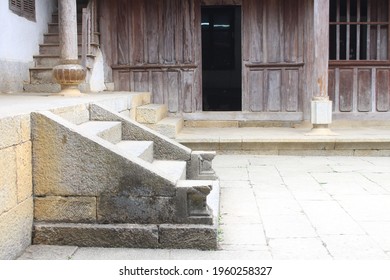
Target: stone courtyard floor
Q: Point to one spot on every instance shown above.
(283, 207)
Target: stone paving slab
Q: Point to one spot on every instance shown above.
(285, 208)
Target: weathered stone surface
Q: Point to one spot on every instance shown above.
(8, 189)
(188, 237)
(164, 148)
(76, 114)
(151, 113)
(46, 252)
(86, 235)
(143, 210)
(15, 230)
(14, 130)
(68, 162)
(169, 127)
(109, 131)
(200, 166)
(24, 171)
(118, 104)
(65, 209)
(141, 149)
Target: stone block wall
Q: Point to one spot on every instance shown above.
(16, 201)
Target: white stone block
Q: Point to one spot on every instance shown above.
(321, 112)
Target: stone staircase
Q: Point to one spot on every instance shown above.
(155, 116)
(103, 180)
(41, 77)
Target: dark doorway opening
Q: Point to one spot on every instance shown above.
(221, 58)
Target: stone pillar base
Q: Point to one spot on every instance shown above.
(321, 116)
(69, 76)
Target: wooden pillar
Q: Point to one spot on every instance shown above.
(321, 106)
(69, 74)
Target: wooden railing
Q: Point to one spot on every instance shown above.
(89, 28)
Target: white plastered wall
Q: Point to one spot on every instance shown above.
(19, 41)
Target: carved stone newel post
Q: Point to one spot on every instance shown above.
(69, 74)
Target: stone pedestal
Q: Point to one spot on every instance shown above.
(69, 76)
(321, 116)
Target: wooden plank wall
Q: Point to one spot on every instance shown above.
(364, 86)
(273, 55)
(155, 46)
(360, 89)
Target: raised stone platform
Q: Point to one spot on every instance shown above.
(349, 140)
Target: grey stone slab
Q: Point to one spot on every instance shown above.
(220, 255)
(65, 209)
(353, 247)
(122, 208)
(278, 206)
(366, 207)
(188, 237)
(298, 249)
(86, 235)
(328, 217)
(291, 226)
(379, 231)
(243, 234)
(120, 254)
(235, 184)
(15, 230)
(48, 252)
(232, 173)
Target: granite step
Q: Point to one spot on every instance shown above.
(141, 149)
(170, 126)
(175, 169)
(109, 131)
(151, 113)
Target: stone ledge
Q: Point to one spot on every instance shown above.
(166, 236)
(86, 235)
(188, 237)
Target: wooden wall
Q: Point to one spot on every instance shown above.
(273, 55)
(155, 46)
(360, 89)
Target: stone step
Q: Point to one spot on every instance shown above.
(151, 113)
(48, 60)
(168, 236)
(141, 149)
(49, 38)
(169, 126)
(54, 48)
(54, 28)
(109, 131)
(175, 169)
(41, 75)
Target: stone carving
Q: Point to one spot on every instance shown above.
(200, 166)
